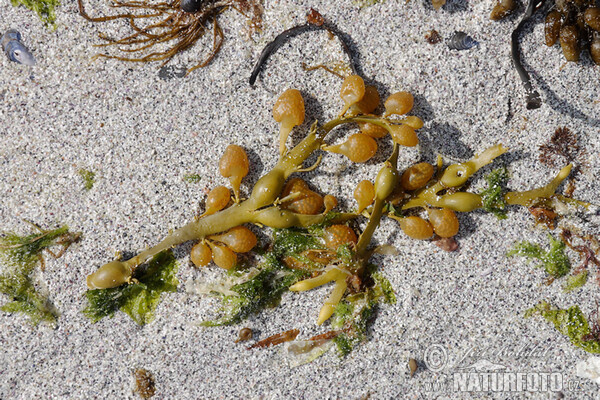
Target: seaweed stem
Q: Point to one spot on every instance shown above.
(295, 31)
(260, 208)
(376, 213)
(533, 97)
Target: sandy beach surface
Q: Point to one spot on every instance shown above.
(141, 133)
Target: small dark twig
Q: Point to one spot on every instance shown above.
(295, 31)
(533, 97)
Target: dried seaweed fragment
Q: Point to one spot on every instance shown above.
(276, 339)
(176, 25)
(144, 383)
(433, 37)
(562, 148)
(314, 17)
(544, 216)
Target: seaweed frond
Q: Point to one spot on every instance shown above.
(576, 281)
(19, 256)
(272, 278)
(555, 261)
(89, 178)
(571, 323)
(140, 299)
(353, 316)
(43, 8)
(264, 290)
(383, 288)
(293, 241)
(492, 198)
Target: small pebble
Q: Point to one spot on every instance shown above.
(412, 365)
(244, 335)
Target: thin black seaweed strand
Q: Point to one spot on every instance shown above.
(533, 97)
(295, 31)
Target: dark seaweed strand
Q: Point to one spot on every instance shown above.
(533, 97)
(295, 31)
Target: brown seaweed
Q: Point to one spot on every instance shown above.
(168, 23)
(575, 24)
(276, 339)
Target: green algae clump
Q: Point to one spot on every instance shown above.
(43, 8)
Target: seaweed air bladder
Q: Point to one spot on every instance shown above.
(312, 246)
(162, 30)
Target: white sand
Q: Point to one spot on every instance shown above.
(141, 134)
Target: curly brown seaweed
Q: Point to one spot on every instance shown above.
(178, 24)
(315, 22)
(561, 148)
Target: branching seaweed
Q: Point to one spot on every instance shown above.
(176, 25)
(19, 256)
(313, 245)
(554, 261)
(562, 147)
